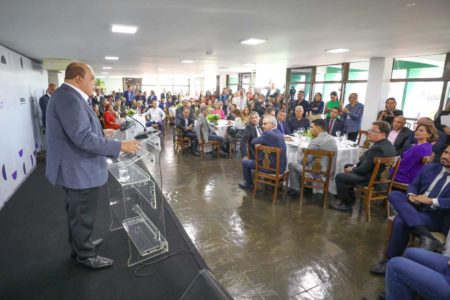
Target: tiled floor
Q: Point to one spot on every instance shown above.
(262, 251)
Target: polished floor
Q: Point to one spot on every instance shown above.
(262, 251)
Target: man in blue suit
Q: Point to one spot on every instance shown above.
(43, 101)
(425, 207)
(271, 137)
(76, 158)
(282, 124)
(129, 96)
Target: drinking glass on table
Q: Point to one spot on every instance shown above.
(301, 130)
(338, 133)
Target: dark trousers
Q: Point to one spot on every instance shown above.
(193, 137)
(247, 166)
(345, 184)
(408, 217)
(418, 272)
(160, 125)
(81, 208)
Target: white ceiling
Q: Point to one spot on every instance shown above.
(297, 32)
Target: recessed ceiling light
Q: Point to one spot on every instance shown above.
(124, 29)
(105, 73)
(107, 68)
(252, 41)
(111, 58)
(410, 4)
(187, 61)
(337, 50)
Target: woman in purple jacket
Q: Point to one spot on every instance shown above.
(411, 162)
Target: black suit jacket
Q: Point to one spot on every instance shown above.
(43, 102)
(180, 122)
(249, 134)
(403, 140)
(337, 126)
(365, 165)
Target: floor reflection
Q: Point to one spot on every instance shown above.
(262, 251)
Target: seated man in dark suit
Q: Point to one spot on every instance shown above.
(425, 207)
(251, 131)
(400, 136)
(282, 125)
(362, 171)
(297, 121)
(185, 103)
(186, 123)
(333, 123)
(271, 137)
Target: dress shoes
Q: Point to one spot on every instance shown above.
(379, 268)
(431, 244)
(96, 262)
(245, 186)
(340, 206)
(97, 243)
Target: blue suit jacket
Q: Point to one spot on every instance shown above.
(273, 138)
(424, 180)
(283, 127)
(76, 147)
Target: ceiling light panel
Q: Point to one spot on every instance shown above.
(124, 29)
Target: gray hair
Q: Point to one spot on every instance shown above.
(299, 107)
(253, 113)
(271, 120)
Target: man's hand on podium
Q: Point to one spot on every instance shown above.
(108, 132)
(130, 146)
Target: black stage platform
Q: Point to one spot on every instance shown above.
(35, 258)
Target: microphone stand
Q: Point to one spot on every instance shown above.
(125, 125)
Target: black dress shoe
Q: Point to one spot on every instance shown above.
(379, 268)
(96, 262)
(431, 244)
(245, 186)
(340, 206)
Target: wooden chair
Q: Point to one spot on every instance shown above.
(380, 185)
(312, 175)
(366, 143)
(404, 186)
(214, 144)
(265, 174)
(181, 142)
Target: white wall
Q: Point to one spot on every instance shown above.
(22, 83)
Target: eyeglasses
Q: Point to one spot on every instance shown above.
(371, 131)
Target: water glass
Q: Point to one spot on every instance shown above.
(124, 176)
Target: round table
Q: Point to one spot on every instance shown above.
(346, 154)
(222, 126)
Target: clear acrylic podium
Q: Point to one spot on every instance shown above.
(136, 204)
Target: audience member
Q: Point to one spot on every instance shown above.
(204, 133)
(334, 102)
(425, 207)
(185, 103)
(390, 111)
(235, 131)
(282, 124)
(321, 141)
(129, 96)
(400, 136)
(299, 102)
(316, 107)
(251, 131)
(334, 123)
(418, 272)
(43, 102)
(297, 121)
(411, 162)
(352, 114)
(155, 115)
(186, 123)
(362, 171)
(271, 137)
(218, 111)
(246, 115)
(110, 118)
(152, 97)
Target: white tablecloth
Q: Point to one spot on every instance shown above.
(222, 126)
(345, 155)
(137, 128)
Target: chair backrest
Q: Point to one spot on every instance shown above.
(385, 171)
(321, 164)
(180, 133)
(366, 143)
(264, 164)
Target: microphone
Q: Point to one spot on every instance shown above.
(144, 134)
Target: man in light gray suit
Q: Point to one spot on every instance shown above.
(322, 141)
(203, 131)
(76, 158)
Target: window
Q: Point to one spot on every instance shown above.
(326, 88)
(306, 87)
(300, 75)
(417, 98)
(431, 66)
(329, 73)
(358, 88)
(358, 71)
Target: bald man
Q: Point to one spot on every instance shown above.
(77, 148)
(43, 101)
(400, 136)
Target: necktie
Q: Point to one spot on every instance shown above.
(330, 127)
(186, 123)
(258, 131)
(281, 127)
(438, 186)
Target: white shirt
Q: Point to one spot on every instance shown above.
(430, 188)
(156, 114)
(238, 124)
(82, 94)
